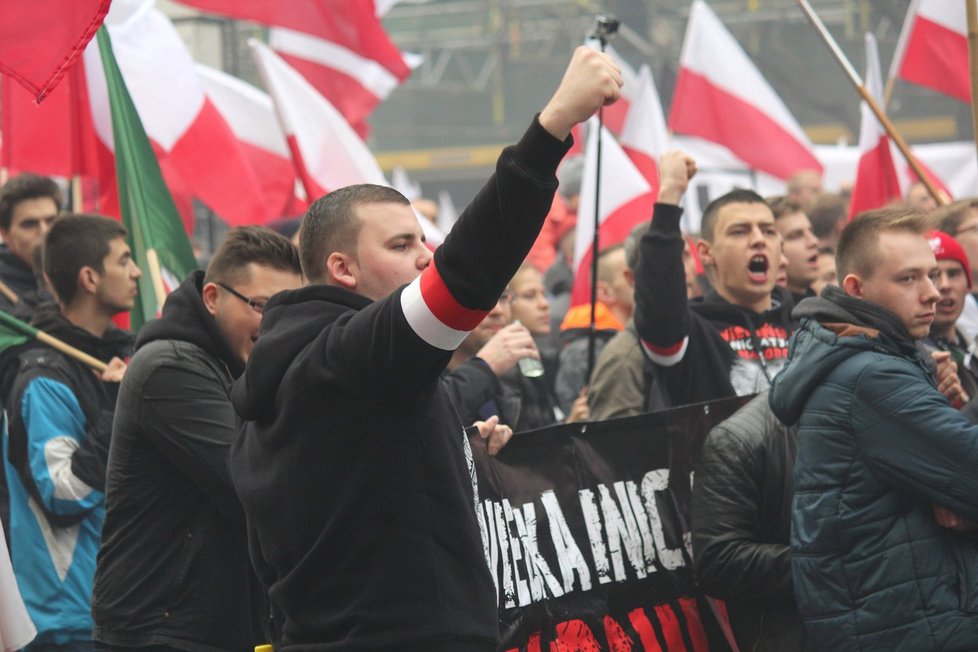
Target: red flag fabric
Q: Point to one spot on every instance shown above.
(933, 48)
(721, 97)
(339, 46)
(197, 150)
(644, 136)
(41, 39)
(877, 182)
(626, 199)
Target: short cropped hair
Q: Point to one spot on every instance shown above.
(77, 241)
(858, 251)
(949, 218)
(735, 196)
(23, 187)
(606, 272)
(251, 244)
(828, 210)
(331, 224)
(782, 207)
(631, 244)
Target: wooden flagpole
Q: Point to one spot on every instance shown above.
(867, 97)
(972, 13)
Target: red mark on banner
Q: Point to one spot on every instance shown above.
(670, 628)
(694, 625)
(642, 626)
(618, 640)
(575, 636)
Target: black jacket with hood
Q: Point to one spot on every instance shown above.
(173, 569)
(707, 348)
(353, 468)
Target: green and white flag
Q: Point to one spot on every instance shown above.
(159, 243)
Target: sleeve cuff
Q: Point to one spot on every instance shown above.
(539, 152)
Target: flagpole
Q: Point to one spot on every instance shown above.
(25, 329)
(972, 12)
(867, 97)
(606, 27)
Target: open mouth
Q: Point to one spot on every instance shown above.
(946, 305)
(813, 260)
(757, 268)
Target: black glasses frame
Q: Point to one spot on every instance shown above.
(257, 306)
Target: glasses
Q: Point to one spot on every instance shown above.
(257, 306)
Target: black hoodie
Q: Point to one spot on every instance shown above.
(708, 348)
(353, 467)
(173, 569)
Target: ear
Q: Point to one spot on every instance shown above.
(604, 296)
(209, 295)
(342, 270)
(705, 252)
(853, 285)
(629, 277)
(88, 279)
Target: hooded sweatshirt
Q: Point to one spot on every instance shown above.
(353, 468)
(707, 348)
(878, 447)
(56, 447)
(173, 568)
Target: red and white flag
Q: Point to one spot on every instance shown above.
(196, 149)
(722, 97)
(644, 136)
(326, 151)
(251, 117)
(41, 39)
(626, 199)
(933, 48)
(340, 46)
(877, 182)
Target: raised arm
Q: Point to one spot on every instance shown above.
(661, 311)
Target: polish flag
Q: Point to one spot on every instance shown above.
(327, 153)
(721, 97)
(340, 46)
(40, 40)
(877, 182)
(196, 149)
(933, 48)
(614, 116)
(251, 117)
(644, 136)
(626, 200)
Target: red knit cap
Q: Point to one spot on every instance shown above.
(947, 248)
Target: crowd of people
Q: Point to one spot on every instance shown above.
(279, 457)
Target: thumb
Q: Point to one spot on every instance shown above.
(488, 426)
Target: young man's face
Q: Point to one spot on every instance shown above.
(116, 290)
(390, 249)
(953, 286)
(237, 320)
(800, 247)
(498, 317)
(744, 255)
(902, 280)
(827, 273)
(29, 224)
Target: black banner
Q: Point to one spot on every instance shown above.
(586, 532)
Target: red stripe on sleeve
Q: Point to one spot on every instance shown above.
(443, 305)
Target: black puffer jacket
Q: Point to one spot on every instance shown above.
(173, 569)
(741, 511)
